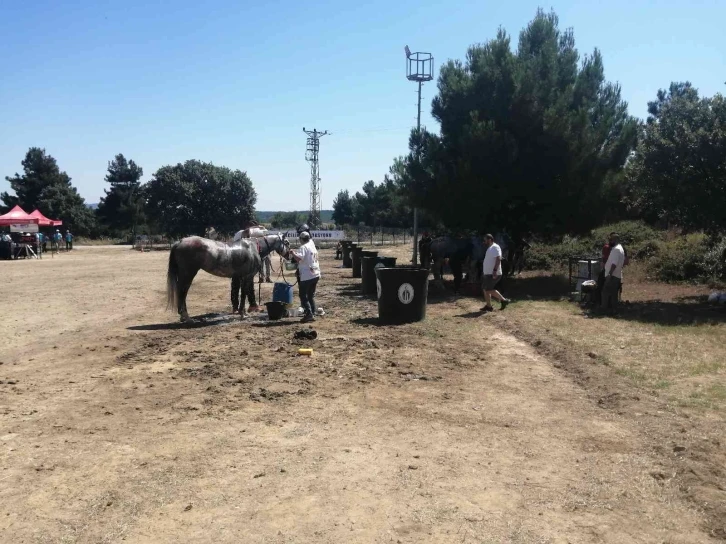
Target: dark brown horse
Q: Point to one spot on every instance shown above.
(192, 254)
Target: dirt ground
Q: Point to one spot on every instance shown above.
(119, 424)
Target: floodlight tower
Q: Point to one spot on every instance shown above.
(419, 68)
(311, 155)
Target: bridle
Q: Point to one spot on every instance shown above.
(269, 248)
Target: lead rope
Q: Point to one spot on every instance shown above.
(282, 272)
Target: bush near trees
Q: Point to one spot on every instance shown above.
(668, 256)
(678, 172)
(190, 197)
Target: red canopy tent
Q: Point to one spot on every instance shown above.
(17, 216)
(44, 221)
(20, 220)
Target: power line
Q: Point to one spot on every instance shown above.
(368, 131)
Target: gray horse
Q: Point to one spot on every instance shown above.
(194, 253)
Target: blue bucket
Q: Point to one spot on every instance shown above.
(282, 292)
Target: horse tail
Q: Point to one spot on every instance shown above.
(172, 276)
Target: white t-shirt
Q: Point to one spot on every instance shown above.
(490, 259)
(617, 258)
(308, 266)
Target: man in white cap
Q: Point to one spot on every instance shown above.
(309, 269)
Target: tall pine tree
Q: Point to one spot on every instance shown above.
(529, 138)
(121, 210)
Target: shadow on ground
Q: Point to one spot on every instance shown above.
(683, 312)
(200, 321)
(278, 323)
(472, 315)
(550, 287)
(375, 322)
(354, 291)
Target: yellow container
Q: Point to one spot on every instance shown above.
(305, 351)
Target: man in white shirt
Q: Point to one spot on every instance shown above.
(309, 269)
(613, 274)
(492, 274)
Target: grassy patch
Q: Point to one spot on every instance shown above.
(654, 356)
(635, 375)
(706, 367)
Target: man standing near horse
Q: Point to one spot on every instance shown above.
(492, 270)
(309, 274)
(251, 227)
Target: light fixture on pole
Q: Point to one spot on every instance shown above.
(419, 68)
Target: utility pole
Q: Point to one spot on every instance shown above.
(419, 68)
(311, 155)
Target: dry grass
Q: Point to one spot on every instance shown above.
(666, 339)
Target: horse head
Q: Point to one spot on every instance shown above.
(278, 243)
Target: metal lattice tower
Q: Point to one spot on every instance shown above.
(311, 155)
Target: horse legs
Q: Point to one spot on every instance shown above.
(456, 269)
(235, 294)
(183, 285)
(438, 269)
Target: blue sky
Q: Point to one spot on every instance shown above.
(234, 82)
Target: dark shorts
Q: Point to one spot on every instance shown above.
(489, 283)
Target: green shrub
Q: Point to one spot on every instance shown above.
(543, 256)
(640, 240)
(670, 256)
(681, 259)
(714, 262)
(539, 258)
(632, 233)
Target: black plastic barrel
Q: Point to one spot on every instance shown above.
(402, 294)
(368, 271)
(357, 256)
(347, 260)
(358, 273)
(368, 275)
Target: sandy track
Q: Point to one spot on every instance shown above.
(123, 425)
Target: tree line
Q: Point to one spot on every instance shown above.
(186, 198)
(534, 139)
(382, 205)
